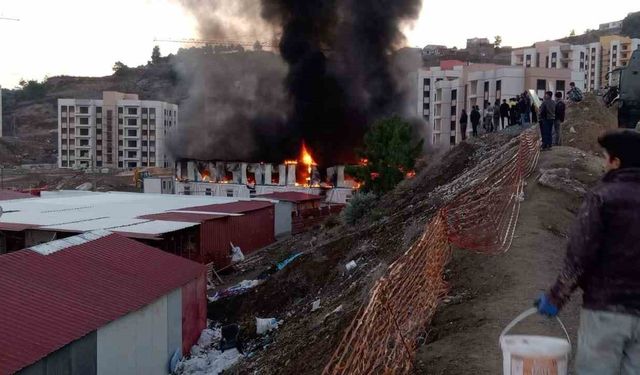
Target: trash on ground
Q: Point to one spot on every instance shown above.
(351, 265)
(265, 325)
(315, 306)
(236, 254)
(235, 290)
(285, 262)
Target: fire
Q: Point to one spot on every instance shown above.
(307, 159)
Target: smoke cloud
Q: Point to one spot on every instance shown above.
(341, 77)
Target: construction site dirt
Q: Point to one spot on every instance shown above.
(486, 291)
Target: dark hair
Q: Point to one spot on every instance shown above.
(504, 100)
(624, 145)
(558, 95)
(572, 84)
(549, 93)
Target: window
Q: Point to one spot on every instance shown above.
(145, 111)
(152, 133)
(486, 87)
(229, 193)
(63, 119)
(144, 143)
(84, 153)
(453, 110)
(99, 142)
(84, 132)
(152, 143)
(560, 86)
(145, 121)
(84, 142)
(98, 109)
(72, 120)
(453, 126)
(132, 164)
(84, 121)
(120, 110)
(119, 143)
(98, 163)
(132, 143)
(119, 131)
(99, 121)
(132, 133)
(132, 122)
(541, 84)
(452, 140)
(454, 95)
(546, 65)
(207, 191)
(83, 110)
(132, 111)
(63, 109)
(98, 131)
(119, 164)
(120, 121)
(152, 122)
(98, 152)
(152, 111)
(132, 154)
(65, 164)
(72, 109)
(120, 153)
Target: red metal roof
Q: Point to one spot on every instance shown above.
(292, 196)
(232, 208)
(6, 195)
(48, 301)
(186, 217)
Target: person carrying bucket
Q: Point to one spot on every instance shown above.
(603, 259)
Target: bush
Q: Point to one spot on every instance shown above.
(360, 205)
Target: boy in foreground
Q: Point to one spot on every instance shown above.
(603, 258)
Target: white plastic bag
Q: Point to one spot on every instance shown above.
(236, 254)
(265, 325)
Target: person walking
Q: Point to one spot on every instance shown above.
(557, 124)
(514, 111)
(488, 117)
(547, 118)
(574, 94)
(504, 113)
(522, 109)
(496, 115)
(463, 124)
(475, 119)
(603, 259)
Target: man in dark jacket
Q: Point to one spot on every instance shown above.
(504, 113)
(557, 125)
(475, 119)
(603, 259)
(547, 118)
(463, 124)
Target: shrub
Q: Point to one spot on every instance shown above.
(360, 205)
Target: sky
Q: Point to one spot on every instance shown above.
(86, 37)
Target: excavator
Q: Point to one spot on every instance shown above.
(624, 91)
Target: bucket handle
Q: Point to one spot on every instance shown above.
(527, 314)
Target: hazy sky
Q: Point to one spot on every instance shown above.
(85, 37)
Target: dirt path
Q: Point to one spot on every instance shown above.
(488, 291)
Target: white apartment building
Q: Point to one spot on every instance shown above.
(119, 131)
(443, 94)
(589, 64)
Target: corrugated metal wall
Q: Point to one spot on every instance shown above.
(283, 212)
(254, 230)
(251, 231)
(194, 311)
(76, 358)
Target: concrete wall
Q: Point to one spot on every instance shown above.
(76, 358)
(141, 342)
(283, 218)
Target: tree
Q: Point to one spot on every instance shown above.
(573, 32)
(156, 57)
(631, 25)
(120, 68)
(32, 89)
(497, 42)
(390, 151)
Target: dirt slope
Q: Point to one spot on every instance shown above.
(488, 291)
(588, 119)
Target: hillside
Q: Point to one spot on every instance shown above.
(30, 116)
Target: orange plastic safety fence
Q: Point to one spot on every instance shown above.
(382, 337)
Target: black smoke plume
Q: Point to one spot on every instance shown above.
(341, 73)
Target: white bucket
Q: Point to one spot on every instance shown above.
(534, 355)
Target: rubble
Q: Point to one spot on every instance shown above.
(560, 179)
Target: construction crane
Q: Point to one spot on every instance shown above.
(223, 42)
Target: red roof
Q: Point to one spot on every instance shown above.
(449, 64)
(186, 217)
(51, 300)
(292, 196)
(232, 208)
(6, 195)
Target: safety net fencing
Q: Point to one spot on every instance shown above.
(481, 216)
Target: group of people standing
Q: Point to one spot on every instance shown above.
(521, 111)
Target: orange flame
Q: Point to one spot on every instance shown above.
(306, 157)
